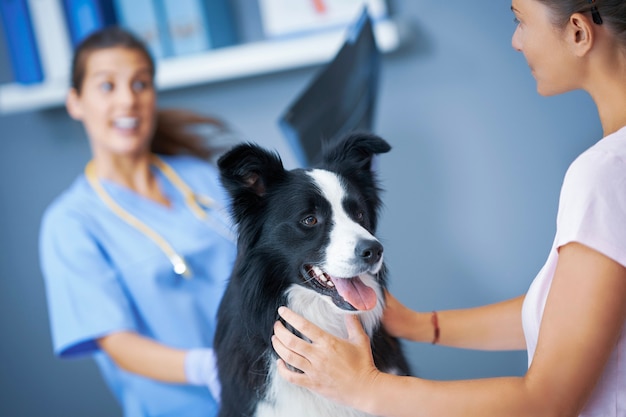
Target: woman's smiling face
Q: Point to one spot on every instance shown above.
(117, 102)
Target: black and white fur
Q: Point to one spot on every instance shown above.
(299, 230)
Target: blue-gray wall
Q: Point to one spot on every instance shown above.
(471, 185)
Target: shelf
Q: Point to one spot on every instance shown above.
(218, 65)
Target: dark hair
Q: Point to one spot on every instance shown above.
(611, 12)
(173, 133)
(108, 37)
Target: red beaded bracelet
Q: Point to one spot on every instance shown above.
(435, 320)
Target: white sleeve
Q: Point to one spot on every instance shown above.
(592, 206)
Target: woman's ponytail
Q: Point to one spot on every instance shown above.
(177, 132)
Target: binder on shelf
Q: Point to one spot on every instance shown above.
(248, 17)
(282, 18)
(86, 16)
(340, 99)
(6, 73)
(52, 36)
(144, 18)
(21, 42)
(186, 25)
(221, 23)
(193, 26)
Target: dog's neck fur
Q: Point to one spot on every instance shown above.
(322, 312)
(284, 399)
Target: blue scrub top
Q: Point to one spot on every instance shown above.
(103, 276)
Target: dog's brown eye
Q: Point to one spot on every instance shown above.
(309, 221)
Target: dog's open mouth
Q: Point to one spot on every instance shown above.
(346, 293)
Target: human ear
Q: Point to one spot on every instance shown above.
(580, 35)
(72, 104)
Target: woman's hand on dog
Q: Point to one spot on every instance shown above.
(340, 369)
(396, 316)
(400, 321)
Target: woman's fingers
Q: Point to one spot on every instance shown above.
(356, 333)
(305, 327)
(289, 375)
(290, 347)
(334, 367)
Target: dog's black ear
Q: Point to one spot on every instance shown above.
(249, 168)
(351, 157)
(247, 171)
(354, 151)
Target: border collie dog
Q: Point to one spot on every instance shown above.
(305, 240)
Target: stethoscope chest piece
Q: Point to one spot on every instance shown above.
(178, 262)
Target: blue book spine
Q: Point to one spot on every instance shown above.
(86, 16)
(220, 18)
(21, 43)
(186, 25)
(142, 17)
(52, 36)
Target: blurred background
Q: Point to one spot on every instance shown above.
(471, 188)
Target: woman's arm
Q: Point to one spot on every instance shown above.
(492, 327)
(583, 318)
(146, 357)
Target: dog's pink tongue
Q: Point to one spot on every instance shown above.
(359, 295)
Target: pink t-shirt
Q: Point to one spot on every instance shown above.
(592, 211)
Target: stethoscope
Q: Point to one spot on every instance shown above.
(192, 201)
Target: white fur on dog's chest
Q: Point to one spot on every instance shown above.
(287, 400)
(283, 399)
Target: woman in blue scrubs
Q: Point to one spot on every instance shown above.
(137, 251)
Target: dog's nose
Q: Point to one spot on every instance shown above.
(369, 251)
